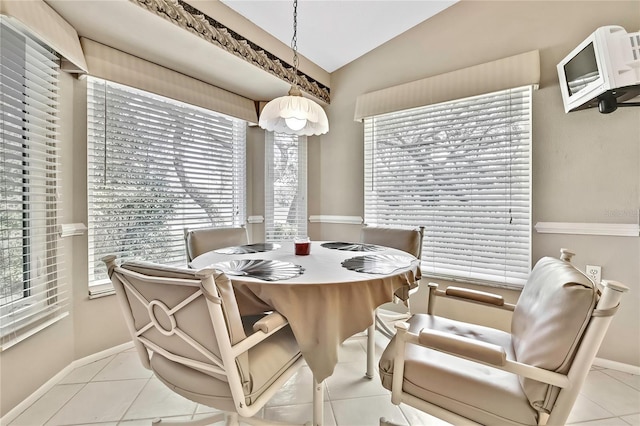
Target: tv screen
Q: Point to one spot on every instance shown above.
(581, 70)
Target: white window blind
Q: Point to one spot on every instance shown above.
(285, 186)
(155, 167)
(33, 293)
(462, 170)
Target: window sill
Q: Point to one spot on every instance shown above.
(482, 283)
(101, 290)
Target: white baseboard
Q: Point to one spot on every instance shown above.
(619, 366)
(31, 399)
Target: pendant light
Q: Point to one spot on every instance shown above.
(294, 114)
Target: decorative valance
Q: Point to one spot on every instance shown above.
(514, 71)
(191, 19)
(45, 23)
(120, 67)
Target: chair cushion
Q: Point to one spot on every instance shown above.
(549, 320)
(196, 312)
(268, 360)
(223, 283)
(193, 384)
(200, 241)
(481, 393)
(408, 240)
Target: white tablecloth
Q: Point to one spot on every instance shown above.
(325, 305)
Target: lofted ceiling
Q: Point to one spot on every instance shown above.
(331, 33)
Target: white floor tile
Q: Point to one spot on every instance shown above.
(366, 411)
(125, 365)
(633, 419)
(87, 372)
(615, 421)
(299, 414)
(157, 400)
(419, 418)
(632, 380)
(352, 350)
(617, 397)
(298, 390)
(147, 422)
(47, 406)
(202, 409)
(348, 381)
(585, 409)
(99, 424)
(381, 344)
(609, 398)
(99, 402)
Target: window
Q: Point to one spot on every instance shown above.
(32, 292)
(285, 187)
(461, 169)
(155, 167)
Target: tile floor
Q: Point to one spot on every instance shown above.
(117, 390)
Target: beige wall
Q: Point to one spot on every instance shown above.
(585, 165)
(93, 325)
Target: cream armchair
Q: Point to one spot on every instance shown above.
(187, 329)
(469, 374)
(202, 240)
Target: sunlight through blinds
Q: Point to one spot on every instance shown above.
(285, 186)
(461, 169)
(155, 167)
(33, 288)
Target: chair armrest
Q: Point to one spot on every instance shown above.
(473, 296)
(462, 346)
(270, 322)
(473, 350)
(263, 328)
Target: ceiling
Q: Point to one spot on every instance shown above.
(331, 33)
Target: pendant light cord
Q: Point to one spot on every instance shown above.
(294, 42)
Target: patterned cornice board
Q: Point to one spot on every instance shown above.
(191, 19)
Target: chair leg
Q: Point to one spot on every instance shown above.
(371, 350)
(318, 403)
(383, 328)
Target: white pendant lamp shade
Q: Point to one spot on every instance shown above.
(294, 115)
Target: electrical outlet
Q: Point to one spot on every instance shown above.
(594, 272)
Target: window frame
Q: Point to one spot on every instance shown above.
(433, 187)
(299, 145)
(211, 144)
(30, 147)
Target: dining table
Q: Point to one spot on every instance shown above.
(326, 296)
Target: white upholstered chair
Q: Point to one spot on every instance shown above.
(187, 329)
(408, 240)
(470, 374)
(202, 240)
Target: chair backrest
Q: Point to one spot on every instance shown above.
(202, 240)
(186, 316)
(409, 240)
(549, 323)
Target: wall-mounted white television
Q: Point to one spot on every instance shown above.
(603, 71)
